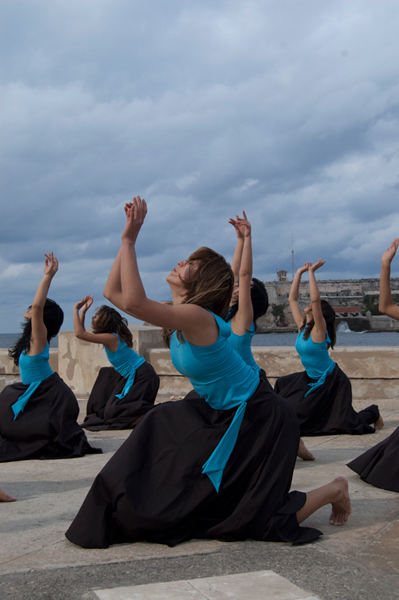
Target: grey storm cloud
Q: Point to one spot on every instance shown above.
(288, 110)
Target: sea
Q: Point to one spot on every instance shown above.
(7, 340)
(344, 338)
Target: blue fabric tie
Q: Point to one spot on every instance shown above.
(22, 401)
(128, 385)
(321, 380)
(217, 461)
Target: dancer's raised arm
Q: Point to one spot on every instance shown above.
(39, 331)
(242, 269)
(294, 295)
(196, 323)
(320, 328)
(79, 313)
(386, 304)
(236, 262)
(113, 287)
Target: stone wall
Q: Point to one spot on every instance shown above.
(373, 371)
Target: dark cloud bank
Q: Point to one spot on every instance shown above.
(287, 110)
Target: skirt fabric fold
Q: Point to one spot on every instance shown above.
(379, 466)
(106, 411)
(328, 409)
(47, 428)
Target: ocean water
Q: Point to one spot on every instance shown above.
(346, 338)
(7, 340)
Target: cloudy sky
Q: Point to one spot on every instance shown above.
(287, 109)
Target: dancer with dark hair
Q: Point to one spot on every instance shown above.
(379, 466)
(249, 302)
(124, 393)
(38, 416)
(322, 394)
(217, 466)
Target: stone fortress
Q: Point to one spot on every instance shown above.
(355, 302)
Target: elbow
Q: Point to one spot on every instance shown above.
(131, 308)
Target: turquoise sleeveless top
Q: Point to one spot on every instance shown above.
(242, 345)
(126, 361)
(315, 358)
(33, 370)
(218, 374)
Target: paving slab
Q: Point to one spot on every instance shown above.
(261, 585)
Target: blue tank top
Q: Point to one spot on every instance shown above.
(33, 370)
(126, 361)
(218, 374)
(242, 345)
(315, 358)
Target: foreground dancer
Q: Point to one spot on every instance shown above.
(124, 393)
(249, 302)
(38, 416)
(380, 465)
(322, 394)
(214, 468)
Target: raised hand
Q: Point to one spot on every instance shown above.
(390, 252)
(135, 215)
(84, 304)
(50, 264)
(235, 225)
(319, 263)
(243, 225)
(305, 268)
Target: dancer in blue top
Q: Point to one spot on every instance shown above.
(248, 303)
(124, 393)
(322, 394)
(219, 466)
(379, 465)
(38, 416)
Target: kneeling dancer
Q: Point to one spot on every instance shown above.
(322, 394)
(217, 466)
(124, 393)
(38, 417)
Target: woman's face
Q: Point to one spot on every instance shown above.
(28, 314)
(94, 321)
(308, 312)
(234, 296)
(184, 270)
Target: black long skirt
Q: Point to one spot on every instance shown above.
(47, 428)
(380, 465)
(153, 488)
(106, 411)
(328, 409)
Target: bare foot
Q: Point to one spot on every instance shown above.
(379, 424)
(303, 452)
(341, 506)
(5, 497)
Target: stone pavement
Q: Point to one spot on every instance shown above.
(357, 560)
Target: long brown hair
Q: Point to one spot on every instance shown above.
(110, 321)
(329, 317)
(210, 286)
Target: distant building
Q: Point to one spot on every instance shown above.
(357, 296)
(282, 275)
